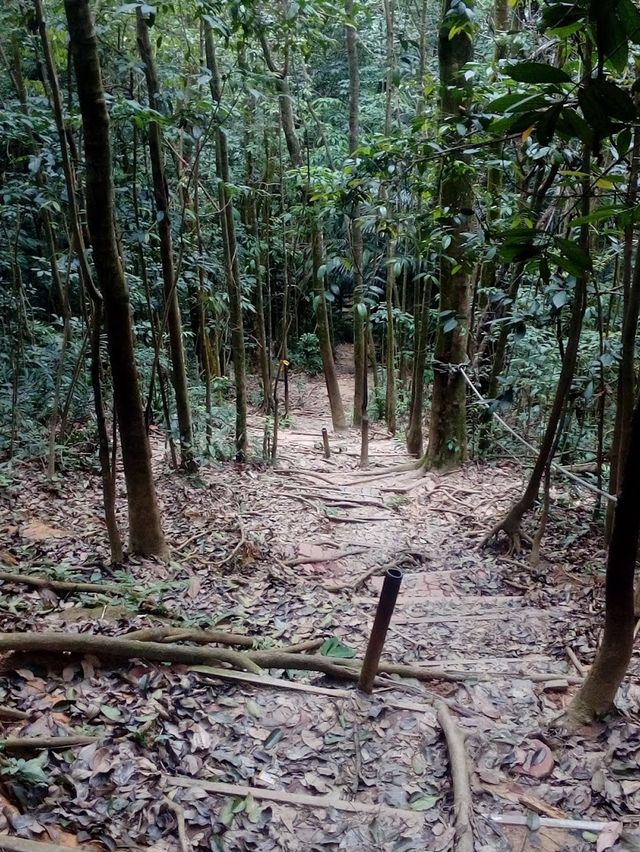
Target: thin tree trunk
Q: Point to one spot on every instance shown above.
(251, 215)
(232, 267)
(294, 148)
(160, 191)
(512, 522)
(597, 694)
(390, 396)
(626, 371)
(448, 428)
(360, 321)
(145, 531)
(421, 332)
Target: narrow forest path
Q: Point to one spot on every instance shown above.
(281, 554)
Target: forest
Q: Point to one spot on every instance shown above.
(319, 425)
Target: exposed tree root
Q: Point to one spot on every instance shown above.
(511, 527)
(106, 646)
(253, 661)
(186, 634)
(462, 802)
(64, 585)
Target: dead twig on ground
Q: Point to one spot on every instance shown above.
(187, 634)
(253, 661)
(45, 743)
(239, 545)
(462, 802)
(10, 714)
(582, 670)
(178, 810)
(333, 557)
(301, 799)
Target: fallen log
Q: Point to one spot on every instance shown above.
(187, 634)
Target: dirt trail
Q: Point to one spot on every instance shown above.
(499, 629)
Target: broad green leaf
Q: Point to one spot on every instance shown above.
(112, 713)
(335, 648)
(537, 72)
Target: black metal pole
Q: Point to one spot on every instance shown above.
(386, 605)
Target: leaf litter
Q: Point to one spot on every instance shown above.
(496, 622)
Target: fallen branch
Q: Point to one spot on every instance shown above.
(302, 799)
(550, 822)
(106, 646)
(45, 743)
(333, 557)
(240, 544)
(10, 714)
(178, 810)
(64, 585)
(462, 803)
(359, 581)
(21, 844)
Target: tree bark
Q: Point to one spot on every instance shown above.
(232, 266)
(161, 196)
(448, 428)
(359, 313)
(145, 531)
(597, 694)
(626, 371)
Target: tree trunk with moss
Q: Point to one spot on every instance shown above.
(145, 531)
(421, 332)
(597, 694)
(161, 197)
(448, 428)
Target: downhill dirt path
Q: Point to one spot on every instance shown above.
(279, 553)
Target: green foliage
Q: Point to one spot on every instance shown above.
(305, 354)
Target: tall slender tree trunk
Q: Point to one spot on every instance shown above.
(360, 320)
(414, 430)
(448, 428)
(390, 395)
(145, 531)
(107, 469)
(294, 149)
(597, 694)
(251, 217)
(161, 196)
(511, 523)
(232, 266)
(626, 371)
